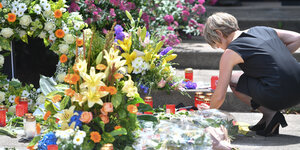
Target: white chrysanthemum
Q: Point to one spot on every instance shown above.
(136, 63)
(15, 4)
(47, 7)
(77, 26)
(25, 20)
(22, 33)
(22, 7)
(43, 2)
(52, 37)
(69, 38)
(47, 14)
(66, 29)
(77, 140)
(60, 77)
(7, 32)
(137, 70)
(49, 26)
(63, 48)
(41, 99)
(65, 136)
(145, 66)
(12, 109)
(1, 61)
(14, 10)
(6, 87)
(37, 9)
(69, 131)
(58, 133)
(81, 134)
(42, 35)
(25, 93)
(20, 13)
(2, 96)
(11, 98)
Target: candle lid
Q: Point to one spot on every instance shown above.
(23, 99)
(188, 70)
(107, 146)
(30, 118)
(148, 98)
(207, 99)
(209, 94)
(27, 115)
(199, 93)
(2, 107)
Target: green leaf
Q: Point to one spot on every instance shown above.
(147, 118)
(121, 131)
(5, 43)
(99, 58)
(107, 138)
(15, 84)
(62, 87)
(99, 123)
(143, 33)
(140, 13)
(50, 107)
(34, 140)
(117, 99)
(86, 128)
(64, 102)
(158, 46)
(122, 113)
(128, 15)
(51, 94)
(24, 38)
(145, 108)
(136, 100)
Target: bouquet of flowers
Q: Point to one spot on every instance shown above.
(95, 107)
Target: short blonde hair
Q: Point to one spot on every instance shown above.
(222, 21)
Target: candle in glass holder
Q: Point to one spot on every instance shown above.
(207, 101)
(30, 130)
(188, 74)
(20, 110)
(208, 95)
(214, 82)
(52, 147)
(196, 98)
(199, 101)
(107, 146)
(2, 116)
(26, 115)
(170, 108)
(24, 101)
(148, 100)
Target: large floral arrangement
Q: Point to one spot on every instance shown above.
(96, 106)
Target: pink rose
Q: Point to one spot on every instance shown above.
(103, 112)
(161, 83)
(108, 107)
(86, 117)
(104, 118)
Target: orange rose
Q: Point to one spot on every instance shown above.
(69, 92)
(63, 58)
(118, 76)
(108, 107)
(104, 118)
(38, 128)
(56, 98)
(117, 127)
(112, 90)
(46, 116)
(1, 6)
(17, 99)
(11, 17)
(79, 42)
(95, 136)
(132, 109)
(103, 112)
(59, 33)
(86, 117)
(57, 13)
(100, 67)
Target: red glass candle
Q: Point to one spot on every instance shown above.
(2, 116)
(148, 100)
(207, 101)
(188, 73)
(24, 101)
(170, 108)
(214, 82)
(197, 94)
(20, 110)
(52, 147)
(199, 101)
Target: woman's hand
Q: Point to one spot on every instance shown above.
(228, 60)
(290, 38)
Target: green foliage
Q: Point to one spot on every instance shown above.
(64, 102)
(34, 140)
(5, 43)
(117, 99)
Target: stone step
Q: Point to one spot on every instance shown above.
(199, 55)
(271, 14)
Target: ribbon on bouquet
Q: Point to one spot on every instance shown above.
(12, 61)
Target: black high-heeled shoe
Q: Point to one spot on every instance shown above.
(273, 126)
(257, 127)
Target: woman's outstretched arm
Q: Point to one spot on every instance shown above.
(290, 38)
(228, 60)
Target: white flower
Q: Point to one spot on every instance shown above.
(137, 70)
(12, 109)
(81, 134)
(145, 66)
(20, 13)
(14, 10)
(2, 96)
(25, 20)
(65, 136)
(49, 26)
(63, 48)
(7, 32)
(43, 2)
(136, 63)
(87, 34)
(47, 14)
(66, 29)
(37, 9)
(42, 35)
(22, 7)
(52, 37)
(6, 86)
(16, 80)
(60, 77)
(77, 140)
(69, 131)
(63, 10)
(22, 33)
(47, 7)
(30, 102)
(1, 61)
(58, 133)
(77, 26)
(41, 99)
(25, 93)
(69, 38)
(15, 4)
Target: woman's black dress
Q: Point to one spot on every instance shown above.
(271, 73)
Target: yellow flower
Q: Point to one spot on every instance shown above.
(93, 79)
(129, 58)
(126, 44)
(93, 96)
(129, 88)
(171, 57)
(65, 118)
(148, 56)
(81, 66)
(78, 98)
(112, 57)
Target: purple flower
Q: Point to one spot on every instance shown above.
(190, 85)
(120, 36)
(114, 2)
(185, 13)
(73, 7)
(130, 6)
(165, 51)
(169, 19)
(112, 12)
(118, 29)
(201, 1)
(147, 34)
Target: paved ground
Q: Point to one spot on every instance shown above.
(289, 138)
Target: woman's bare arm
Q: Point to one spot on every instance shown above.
(228, 60)
(290, 38)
